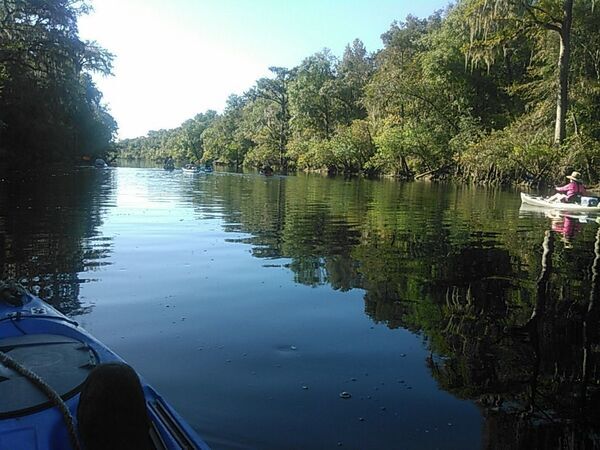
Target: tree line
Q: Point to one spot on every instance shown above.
(486, 90)
(50, 108)
(492, 91)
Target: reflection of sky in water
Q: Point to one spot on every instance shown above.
(136, 196)
(252, 302)
(213, 327)
(138, 190)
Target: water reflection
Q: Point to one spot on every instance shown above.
(504, 300)
(565, 224)
(504, 312)
(533, 367)
(507, 326)
(49, 231)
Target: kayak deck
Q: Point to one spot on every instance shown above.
(62, 354)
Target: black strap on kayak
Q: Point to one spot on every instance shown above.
(48, 391)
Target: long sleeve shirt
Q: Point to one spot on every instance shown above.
(571, 190)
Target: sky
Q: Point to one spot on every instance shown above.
(177, 58)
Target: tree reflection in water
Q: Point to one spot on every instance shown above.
(505, 329)
(510, 324)
(537, 380)
(48, 231)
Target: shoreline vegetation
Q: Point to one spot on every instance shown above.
(503, 91)
(50, 108)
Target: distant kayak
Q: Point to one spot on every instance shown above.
(190, 168)
(592, 204)
(39, 345)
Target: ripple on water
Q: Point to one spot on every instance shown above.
(309, 283)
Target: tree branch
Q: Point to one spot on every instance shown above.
(547, 25)
(543, 11)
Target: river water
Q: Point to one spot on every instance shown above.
(450, 317)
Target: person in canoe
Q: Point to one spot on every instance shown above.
(570, 192)
(169, 163)
(266, 171)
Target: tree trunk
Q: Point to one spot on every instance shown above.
(283, 135)
(562, 102)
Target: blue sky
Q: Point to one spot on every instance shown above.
(177, 58)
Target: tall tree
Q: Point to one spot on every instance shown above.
(224, 140)
(494, 23)
(354, 71)
(49, 106)
(414, 101)
(313, 107)
(276, 90)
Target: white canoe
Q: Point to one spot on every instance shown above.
(544, 203)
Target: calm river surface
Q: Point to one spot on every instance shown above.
(252, 303)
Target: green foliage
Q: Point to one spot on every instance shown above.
(185, 144)
(392, 150)
(514, 153)
(346, 152)
(315, 154)
(275, 117)
(469, 91)
(262, 155)
(50, 109)
(408, 147)
(354, 72)
(262, 125)
(314, 102)
(352, 147)
(225, 140)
